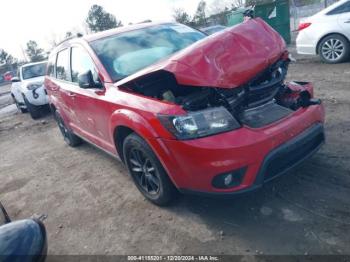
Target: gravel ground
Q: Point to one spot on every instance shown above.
(92, 206)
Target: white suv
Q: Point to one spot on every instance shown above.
(28, 90)
(327, 33)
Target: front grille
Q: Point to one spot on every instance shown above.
(263, 115)
(289, 157)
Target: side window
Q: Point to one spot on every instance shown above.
(344, 8)
(51, 66)
(81, 63)
(62, 68)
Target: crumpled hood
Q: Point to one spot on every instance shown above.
(227, 59)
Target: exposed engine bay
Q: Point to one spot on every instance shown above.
(263, 100)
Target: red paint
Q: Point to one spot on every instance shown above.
(224, 60)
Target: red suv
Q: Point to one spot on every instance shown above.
(184, 111)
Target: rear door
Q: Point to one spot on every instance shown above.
(344, 18)
(66, 90)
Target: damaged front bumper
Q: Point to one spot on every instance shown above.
(262, 153)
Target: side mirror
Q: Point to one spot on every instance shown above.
(4, 217)
(86, 80)
(15, 79)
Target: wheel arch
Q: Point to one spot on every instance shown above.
(323, 37)
(123, 123)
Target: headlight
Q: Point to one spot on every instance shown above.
(33, 86)
(200, 123)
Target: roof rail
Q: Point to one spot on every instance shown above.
(78, 35)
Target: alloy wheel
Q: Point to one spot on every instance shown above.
(144, 172)
(333, 49)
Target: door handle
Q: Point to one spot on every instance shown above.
(71, 94)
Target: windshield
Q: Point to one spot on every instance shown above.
(33, 71)
(214, 29)
(124, 54)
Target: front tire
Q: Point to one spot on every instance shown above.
(334, 49)
(69, 137)
(23, 110)
(34, 111)
(147, 172)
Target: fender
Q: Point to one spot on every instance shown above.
(149, 133)
(132, 120)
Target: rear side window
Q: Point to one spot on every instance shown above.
(51, 66)
(344, 8)
(62, 65)
(81, 63)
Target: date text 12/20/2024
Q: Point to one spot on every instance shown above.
(173, 258)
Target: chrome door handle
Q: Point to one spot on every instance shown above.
(71, 94)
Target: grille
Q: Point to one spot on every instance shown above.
(263, 115)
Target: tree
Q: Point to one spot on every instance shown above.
(99, 20)
(35, 53)
(199, 18)
(181, 16)
(6, 58)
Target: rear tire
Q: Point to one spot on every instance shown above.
(34, 111)
(69, 137)
(334, 49)
(147, 172)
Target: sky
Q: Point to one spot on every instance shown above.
(46, 20)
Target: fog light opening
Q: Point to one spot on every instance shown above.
(229, 179)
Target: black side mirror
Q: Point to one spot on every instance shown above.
(4, 217)
(86, 80)
(15, 79)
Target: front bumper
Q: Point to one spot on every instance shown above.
(37, 97)
(265, 153)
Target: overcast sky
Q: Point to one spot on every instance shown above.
(44, 20)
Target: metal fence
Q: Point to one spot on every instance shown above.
(299, 11)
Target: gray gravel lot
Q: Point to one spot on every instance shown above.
(92, 206)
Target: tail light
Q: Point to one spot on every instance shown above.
(303, 26)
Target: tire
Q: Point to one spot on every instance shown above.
(334, 49)
(69, 137)
(147, 172)
(23, 110)
(34, 111)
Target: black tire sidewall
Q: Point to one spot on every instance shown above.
(346, 53)
(71, 139)
(167, 190)
(33, 110)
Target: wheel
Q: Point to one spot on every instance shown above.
(23, 110)
(34, 111)
(147, 172)
(70, 138)
(334, 49)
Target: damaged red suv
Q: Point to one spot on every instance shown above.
(184, 111)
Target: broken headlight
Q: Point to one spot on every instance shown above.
(200, 123)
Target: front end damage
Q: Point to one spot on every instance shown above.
(242, 70)
(253, 125)
(263, 100)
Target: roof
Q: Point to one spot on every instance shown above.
(36, 63)
(122, 29)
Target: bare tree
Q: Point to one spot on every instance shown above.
(181, 16)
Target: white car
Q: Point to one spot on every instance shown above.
(327, 33)
(28, 90)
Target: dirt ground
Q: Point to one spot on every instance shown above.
(92, 206)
